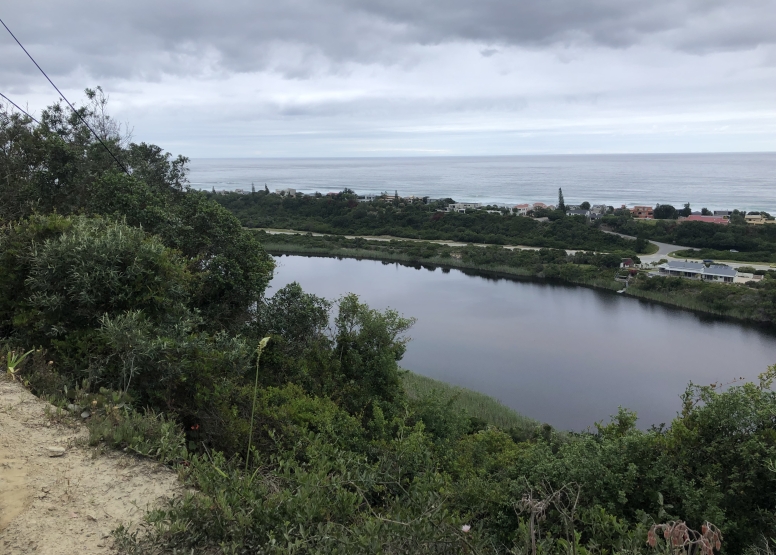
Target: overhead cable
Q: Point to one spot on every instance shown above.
(76, 112)
(15, 105)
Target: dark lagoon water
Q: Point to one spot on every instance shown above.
(715, 181)
(560, 354)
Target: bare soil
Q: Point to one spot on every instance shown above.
(67, 504)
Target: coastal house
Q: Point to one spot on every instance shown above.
(462, 207)
(698, 270)
(537, 205)
(643, 212)
(708, 219)
(758, 219)
(579, 212)
(599, 209)
(521, 209)
(369, 197)
(719, 272)
(723, 213)
(286, 192)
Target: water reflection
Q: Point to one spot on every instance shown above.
(558, 353)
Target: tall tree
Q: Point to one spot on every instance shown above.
(561, 204)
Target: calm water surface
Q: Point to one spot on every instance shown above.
(561, 354)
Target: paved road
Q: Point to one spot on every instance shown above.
(663, 249)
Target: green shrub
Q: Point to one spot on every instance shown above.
(147, 434)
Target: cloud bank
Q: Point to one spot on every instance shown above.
(344, 78)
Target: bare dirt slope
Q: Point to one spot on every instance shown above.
(67, 504)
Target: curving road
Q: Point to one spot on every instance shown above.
(665, 249)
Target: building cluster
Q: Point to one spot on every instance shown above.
(721, 217)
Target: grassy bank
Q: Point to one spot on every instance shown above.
(759, 257)
(474, 404)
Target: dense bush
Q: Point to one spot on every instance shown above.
(343, 214)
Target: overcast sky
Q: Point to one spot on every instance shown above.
(409, 77)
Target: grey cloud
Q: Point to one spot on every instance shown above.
(715, 24)
(488, 52)
(148, 39)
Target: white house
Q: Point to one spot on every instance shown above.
(521, 209)
(462, 206)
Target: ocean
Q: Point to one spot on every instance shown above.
(714, 181)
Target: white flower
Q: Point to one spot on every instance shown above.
(465, 528)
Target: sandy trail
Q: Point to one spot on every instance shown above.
(68, 504)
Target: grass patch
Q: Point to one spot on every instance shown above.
(475, 404)
(759, 257)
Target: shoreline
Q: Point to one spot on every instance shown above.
(517, 274)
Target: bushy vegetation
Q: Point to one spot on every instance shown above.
(343, 214)
(755, 243)
(754, 301)
(289, 417)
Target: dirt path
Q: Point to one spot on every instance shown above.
(70, 503)
(388, 238)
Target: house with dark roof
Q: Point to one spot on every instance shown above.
(698, 270)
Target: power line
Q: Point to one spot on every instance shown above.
(65, 99)
(15, 105)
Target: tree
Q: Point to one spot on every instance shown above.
(298, 317)
(369, 345)
(253, 189)
(561, 203)
(705, 211)
(641, 243)
(585, 205)
(686, 211)
(665, 212)
(737, 217)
